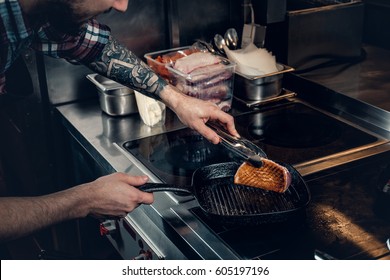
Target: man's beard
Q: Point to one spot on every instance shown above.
(62, 16)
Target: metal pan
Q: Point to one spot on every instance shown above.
(227, 203)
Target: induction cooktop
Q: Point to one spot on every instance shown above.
(292, 133)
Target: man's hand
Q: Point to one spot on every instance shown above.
(195, 113)
(116, 195)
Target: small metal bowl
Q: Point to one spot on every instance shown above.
(260, 87)
(115, 99)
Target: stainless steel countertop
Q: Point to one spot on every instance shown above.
(368, 81)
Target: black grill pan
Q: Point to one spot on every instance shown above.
(228, 203)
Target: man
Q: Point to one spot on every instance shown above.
(66, 29)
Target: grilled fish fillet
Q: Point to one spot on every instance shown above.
(270, 176)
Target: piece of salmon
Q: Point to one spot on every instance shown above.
(270, 176)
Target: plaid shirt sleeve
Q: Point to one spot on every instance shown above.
(84, 48)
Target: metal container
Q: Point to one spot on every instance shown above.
(115, 99)
(260, 87)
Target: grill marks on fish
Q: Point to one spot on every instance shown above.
(270, 176)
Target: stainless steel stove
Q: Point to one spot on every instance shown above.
(318, 143)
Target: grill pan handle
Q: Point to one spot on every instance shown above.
(159, 187)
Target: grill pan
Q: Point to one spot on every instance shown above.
(225, 202)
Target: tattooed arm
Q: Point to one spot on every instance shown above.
(120, 64)
(123, 66)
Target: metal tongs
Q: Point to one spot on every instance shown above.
(242, 147)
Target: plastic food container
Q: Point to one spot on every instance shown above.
(214, 84)
(115, 99)
(260, 87)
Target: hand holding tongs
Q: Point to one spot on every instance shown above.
(240, 146)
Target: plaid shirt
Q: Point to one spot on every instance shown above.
(17, 35)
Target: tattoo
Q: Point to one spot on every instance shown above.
(120, 64)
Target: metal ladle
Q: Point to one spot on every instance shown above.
(231, 38)
(219, 43)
